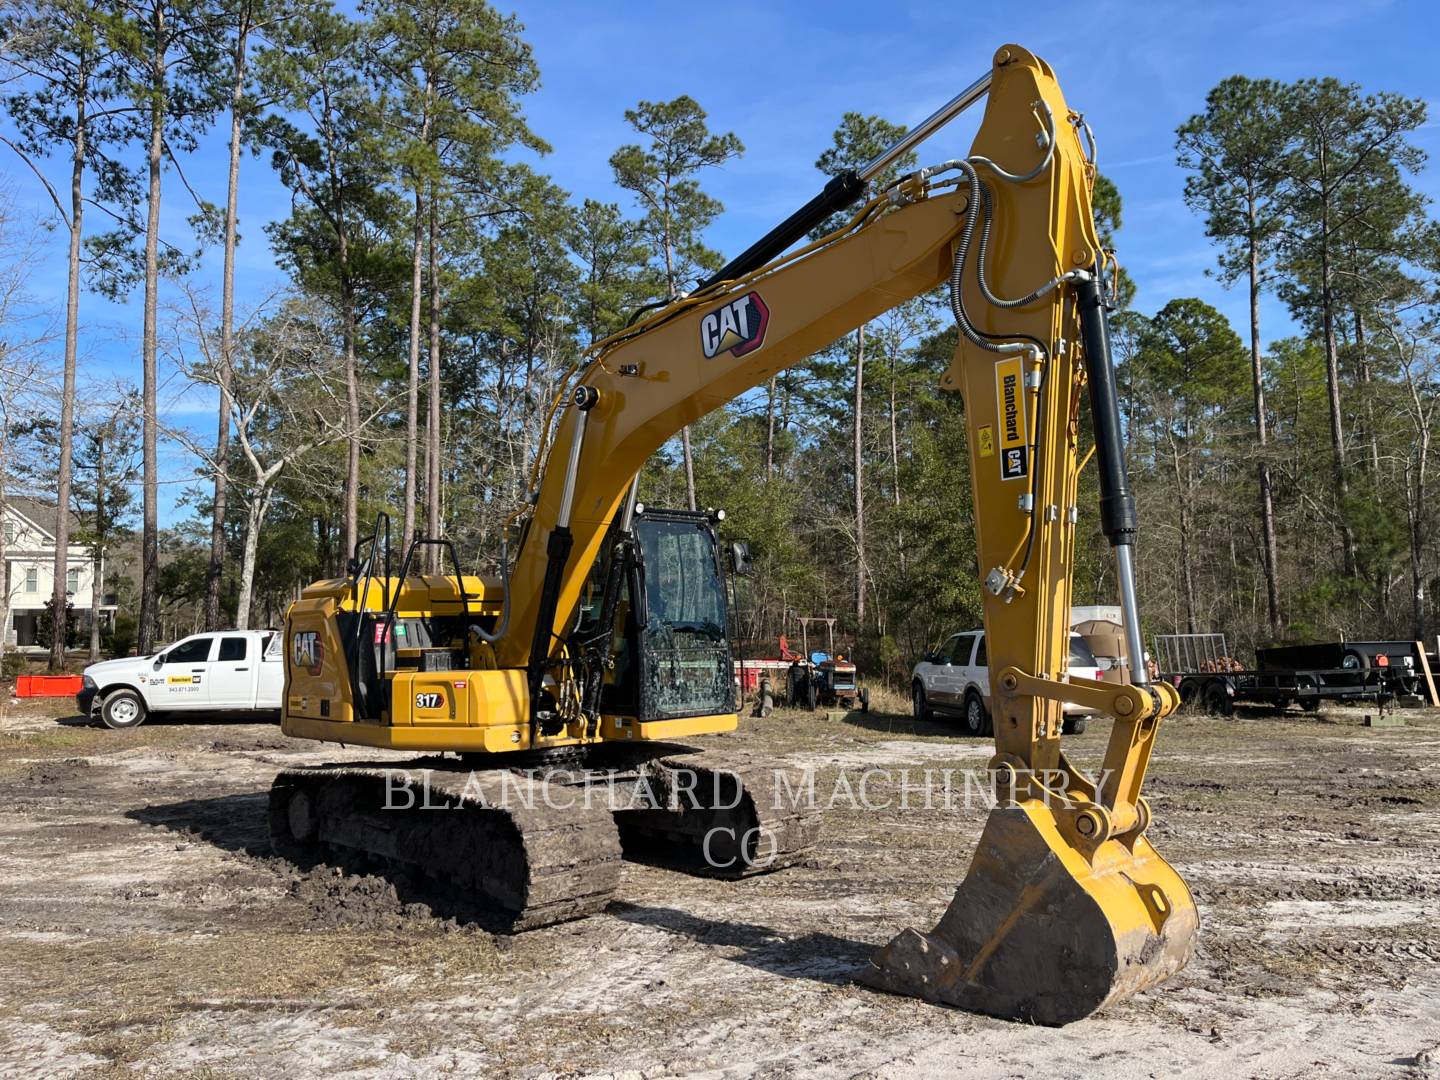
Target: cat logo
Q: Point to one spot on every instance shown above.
(307, 651)
(738, 327)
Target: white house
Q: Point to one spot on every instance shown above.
(29, 572)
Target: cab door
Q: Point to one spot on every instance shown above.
(232, 673)
(950, 671)
(181, 675)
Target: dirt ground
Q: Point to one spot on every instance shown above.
(145, 926)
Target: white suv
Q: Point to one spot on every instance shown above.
(954, 680)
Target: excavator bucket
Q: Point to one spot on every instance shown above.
(1044, 931)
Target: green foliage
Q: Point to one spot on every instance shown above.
(663, 178)
(45, 626)
(120, 639)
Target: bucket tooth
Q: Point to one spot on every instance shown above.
(1043, 931)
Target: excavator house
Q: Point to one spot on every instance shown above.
(592, 658)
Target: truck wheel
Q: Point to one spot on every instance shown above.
(977, 719)
(123, 709)
(1188, 693)
(1217, 700)
(1074, 725)
(919, 707)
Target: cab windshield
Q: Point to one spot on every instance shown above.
(687, 662)
(683, 587)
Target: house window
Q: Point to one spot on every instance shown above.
(9, 532)
(72, 580)
(32, 580)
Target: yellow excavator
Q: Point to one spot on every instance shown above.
(582, 664)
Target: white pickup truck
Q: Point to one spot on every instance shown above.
(955, 680)
(228, 670)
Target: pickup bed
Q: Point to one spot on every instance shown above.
(240, 670)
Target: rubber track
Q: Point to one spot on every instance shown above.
(773, 813)
(502, 842)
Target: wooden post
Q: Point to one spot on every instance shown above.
(1429, 679)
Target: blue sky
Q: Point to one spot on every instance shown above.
(780, 75)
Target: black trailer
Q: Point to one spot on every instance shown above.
(1200, 667)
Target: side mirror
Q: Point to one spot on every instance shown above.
(159, 662)
(740, 560)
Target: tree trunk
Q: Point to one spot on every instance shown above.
(1270, 553)
(97, 586)
(352, 412)
(433, 486)
(689, 467)
(770, 430)
(67, 391)
(1187, 573)
(1417, 545)
(150, 540)
(412, 387)
(1362, 368)
(255, 510)
(215, 573)
(1332, 380)
(97, 553)
(861, 570)
(4, 563)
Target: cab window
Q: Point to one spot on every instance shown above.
(234, 648)
(194, 651)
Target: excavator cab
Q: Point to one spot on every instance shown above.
(667, 654)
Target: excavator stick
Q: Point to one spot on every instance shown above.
(1067, 906)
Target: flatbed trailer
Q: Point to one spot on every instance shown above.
(1201, 668)
(1218, 692)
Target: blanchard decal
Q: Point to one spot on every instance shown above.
(1010, 403)
(183, 680)
(737, 328)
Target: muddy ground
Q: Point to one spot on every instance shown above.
(145, 926)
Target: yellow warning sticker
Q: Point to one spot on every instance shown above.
(1010, 404)
(985, 441)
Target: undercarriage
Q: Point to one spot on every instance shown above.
(542, 842)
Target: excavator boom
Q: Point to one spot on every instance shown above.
(1067, 905)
